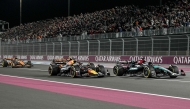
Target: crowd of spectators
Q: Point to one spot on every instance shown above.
(118, 19)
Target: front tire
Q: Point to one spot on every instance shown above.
(29, 63)
(174, 69)
(101, 69)
(73, 71)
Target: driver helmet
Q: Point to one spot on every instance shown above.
(88, 64)
(142, 60)
(15, 58)
(69, 58)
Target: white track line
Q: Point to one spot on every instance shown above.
(99, 87)
(172, 80)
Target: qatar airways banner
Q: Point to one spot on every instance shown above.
(111, 59)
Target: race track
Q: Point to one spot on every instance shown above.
(29, 98)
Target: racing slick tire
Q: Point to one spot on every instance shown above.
(147, 71)
(53, 70)
(29, 63)
(13, 64)
(118, 70)
(73, 71)
(4, 63)
(101, 69)
(92, 66)
(174, 69)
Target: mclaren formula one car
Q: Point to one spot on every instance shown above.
(61, 67)
(88, 70)
(16, 63)
(56, 65)
(146, 69)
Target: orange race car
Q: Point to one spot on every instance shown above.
(16, 63)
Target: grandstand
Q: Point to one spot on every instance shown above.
(118, 31)
(170, 18)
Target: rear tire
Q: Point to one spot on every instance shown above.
(53, 70)
(147, 72)
(4, 63)
(118, 71)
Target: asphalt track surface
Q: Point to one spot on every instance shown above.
(14, 97)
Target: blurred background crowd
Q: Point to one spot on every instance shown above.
(118, 19)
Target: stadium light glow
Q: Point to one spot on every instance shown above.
(20, 12)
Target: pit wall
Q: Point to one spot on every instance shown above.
(184, 60)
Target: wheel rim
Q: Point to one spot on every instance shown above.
(12, 64)
(50, 71)
(3, 63)
(146, 72)
(72, 73)
(115, 71)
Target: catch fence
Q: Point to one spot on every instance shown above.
(155, 45)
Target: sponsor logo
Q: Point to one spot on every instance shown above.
(107, 58)
(17, 56)
(181, 60)
(50, 57)
(33, 57)
(7, 56)
(58, 57)
(153, 59)
(83, 58)
(23, 57)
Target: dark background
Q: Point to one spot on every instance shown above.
(34, 10)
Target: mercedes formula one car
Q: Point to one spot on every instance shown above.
(158, 71)
(16, 63)
(146, 69)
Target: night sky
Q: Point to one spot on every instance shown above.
(34, 10)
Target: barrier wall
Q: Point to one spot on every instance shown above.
(185, 60)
